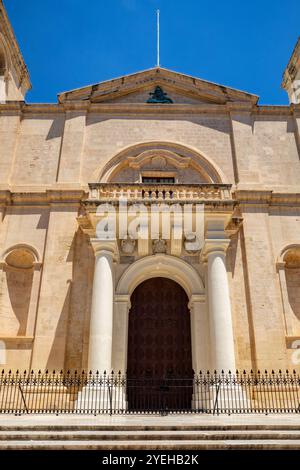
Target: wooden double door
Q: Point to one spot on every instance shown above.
(159, 361)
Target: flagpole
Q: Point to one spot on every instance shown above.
(158, 58)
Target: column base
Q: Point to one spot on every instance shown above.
(220, 398)
(97, 399)
(228, 399)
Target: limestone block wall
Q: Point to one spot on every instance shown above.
(70, 147)
(264, 290)
(105, 136)
(266, 150)
(78, 327)
(51, 327)
(9, 133)
(37, 150)
(241, 307)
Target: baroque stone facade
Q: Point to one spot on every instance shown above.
(65, 295)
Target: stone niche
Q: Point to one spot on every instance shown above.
(17, 282)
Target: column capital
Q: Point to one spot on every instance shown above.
(280, 265)
(105, 247)
(214, 245)
(196, 298)
(122, 299)
(37, 265)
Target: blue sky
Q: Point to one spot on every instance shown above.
(72, 43)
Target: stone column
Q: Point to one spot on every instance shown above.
(101, 324)
(102, 394)
(220, 318)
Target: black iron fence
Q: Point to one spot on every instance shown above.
(88, 393)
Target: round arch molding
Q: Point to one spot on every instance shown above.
(179, 155)
(160, 265)
(292, 249)
(21, 255)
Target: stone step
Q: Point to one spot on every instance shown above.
(153, 445)
(118, 435)
(177, 427)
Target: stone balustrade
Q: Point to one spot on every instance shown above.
(159, 192)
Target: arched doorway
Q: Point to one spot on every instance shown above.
(159, 361)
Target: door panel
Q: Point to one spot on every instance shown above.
(159, 371)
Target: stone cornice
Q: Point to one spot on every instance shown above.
(17, 339)
(295, 108)
(292, 66)
(273, 110)
(42, 197)
(19, 107)
(266, 197)
(52, 196)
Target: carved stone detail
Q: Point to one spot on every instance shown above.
(159, 246)
(191, 243)
(128, 246)
(159, 96)
(158, 162)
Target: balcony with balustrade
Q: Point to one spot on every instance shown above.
(159, 192)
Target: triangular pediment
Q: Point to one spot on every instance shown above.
(139, 87)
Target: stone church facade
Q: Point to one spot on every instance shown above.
(71, 300)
